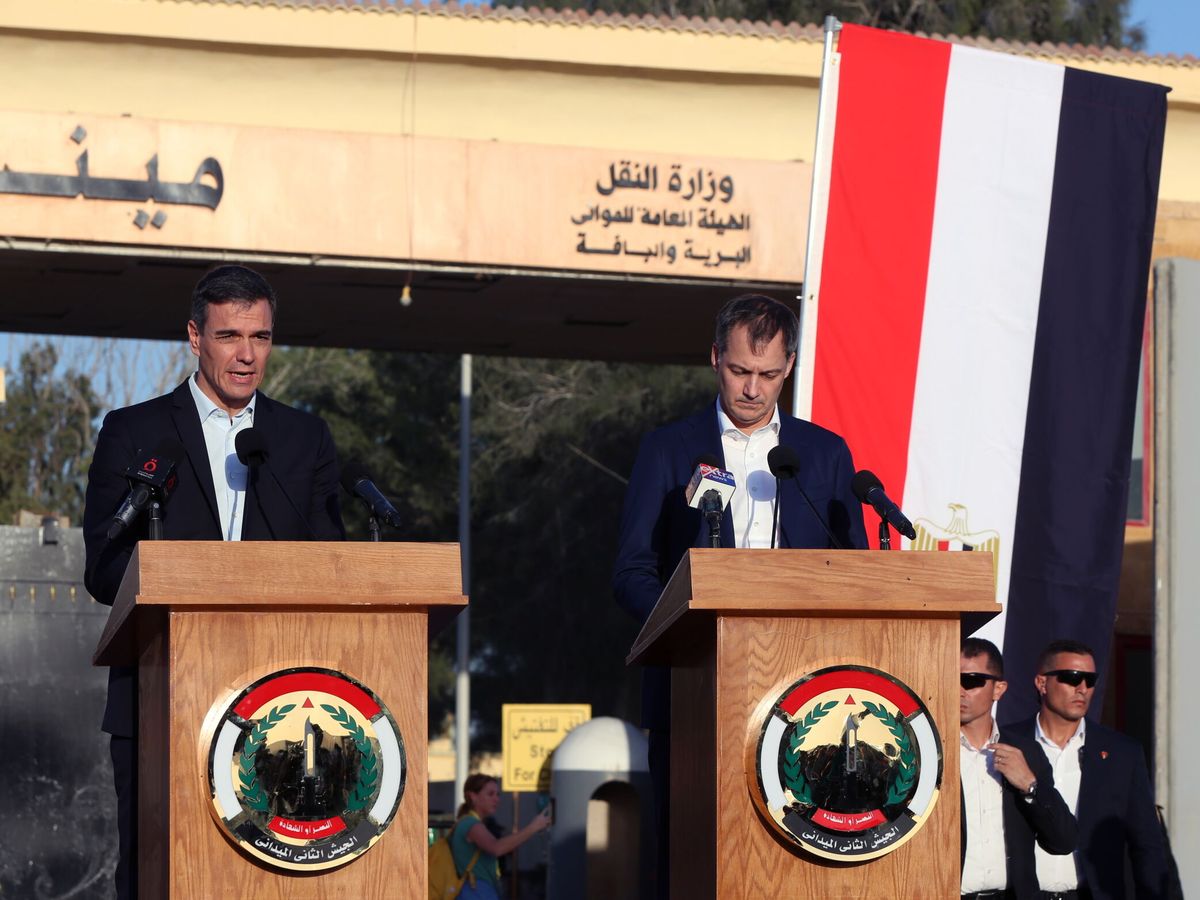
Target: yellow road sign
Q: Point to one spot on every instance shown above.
(531, 732)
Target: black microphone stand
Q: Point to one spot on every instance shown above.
(885, 534)
(775, 510)
(373, 529)
(155, 524)
(712, 508)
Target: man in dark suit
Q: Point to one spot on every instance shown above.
(1007, 789)
(1103, 778)
(753, 352)
(215, 497)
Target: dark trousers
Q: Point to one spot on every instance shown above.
(659, 753)
(123, 751)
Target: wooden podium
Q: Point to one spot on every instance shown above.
(738, 627)
(203, 620)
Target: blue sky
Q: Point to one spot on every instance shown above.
(1172, 26)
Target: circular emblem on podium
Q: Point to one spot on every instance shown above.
(306, 769)
(847, 763)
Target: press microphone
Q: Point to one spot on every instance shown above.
(251, 449)
(710, 490)
(869, 489)
(357, 481)
(784, 463)
(151, 477)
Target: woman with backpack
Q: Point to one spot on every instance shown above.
(475, 849)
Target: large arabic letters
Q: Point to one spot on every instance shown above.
(83, 184)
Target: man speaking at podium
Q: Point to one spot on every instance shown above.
(753, 352)
(182, 448)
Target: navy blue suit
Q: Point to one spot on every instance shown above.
(1116, 816)
(658, 527)
(1045, 820)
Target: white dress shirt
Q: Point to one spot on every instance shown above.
(753, 503)
(1060, 873)
(985, 865)
(228, 474)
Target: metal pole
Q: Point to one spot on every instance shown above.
(462, 675)
(818, 202)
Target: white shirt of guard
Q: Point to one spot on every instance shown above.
(985, 865)
(228, 473)
(1059, 873)
(753, 503)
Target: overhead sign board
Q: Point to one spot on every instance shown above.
(234, 188)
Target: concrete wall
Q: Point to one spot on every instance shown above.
(1177, 627)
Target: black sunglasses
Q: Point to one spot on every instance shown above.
(972, 680)
(1072, 677)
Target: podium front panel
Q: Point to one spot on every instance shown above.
(190, 676)
(756, 660)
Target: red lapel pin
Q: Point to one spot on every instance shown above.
(1104, 754)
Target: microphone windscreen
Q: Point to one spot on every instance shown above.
(784, 462)
(251, 447)
(352, 474)
(863, 483)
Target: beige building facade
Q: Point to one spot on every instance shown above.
(441, 178)
(551, 184)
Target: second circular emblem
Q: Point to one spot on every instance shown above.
(847, 763)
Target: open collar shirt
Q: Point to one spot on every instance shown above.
(985, 864)
(229, 475)
(753, 504)
(1060, 873)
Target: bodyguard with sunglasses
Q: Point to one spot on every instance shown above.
(1008, 797)
(1102, 776)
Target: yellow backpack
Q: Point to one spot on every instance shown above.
(444, 881)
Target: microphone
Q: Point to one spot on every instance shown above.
(710, 490)
(356, 481)
(251, 449)
(869, 489)
(784, 463)
(151, 477)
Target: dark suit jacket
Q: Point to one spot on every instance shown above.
(1116, 816)
(658, 527)
(302, 457)
(1045, 819)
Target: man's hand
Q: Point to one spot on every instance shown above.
(1010, 762)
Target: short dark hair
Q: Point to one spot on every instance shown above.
(764, 316)
(1063, 645)
(973, 647)
(229, 284)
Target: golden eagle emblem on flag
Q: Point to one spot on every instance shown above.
(955, 535)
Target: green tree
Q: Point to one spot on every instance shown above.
(395, 414)
(1089, 22)
(552, 444)
(47, 430)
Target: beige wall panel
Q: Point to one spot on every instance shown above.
(757, 117)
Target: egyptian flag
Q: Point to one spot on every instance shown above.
(982, 289)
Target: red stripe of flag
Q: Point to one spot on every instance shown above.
(877, 235)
